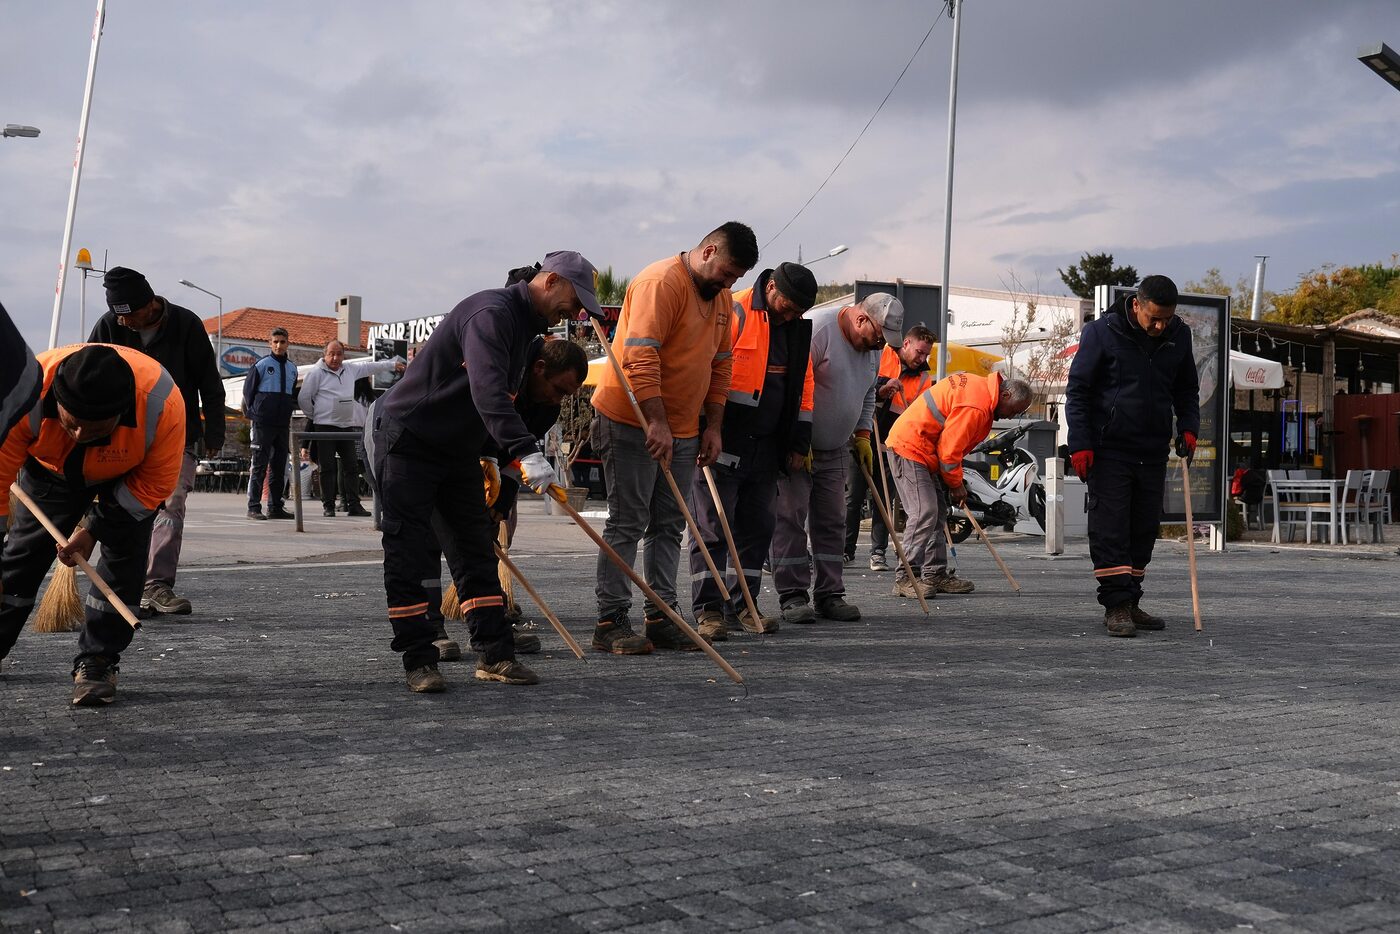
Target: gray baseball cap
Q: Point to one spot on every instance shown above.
(887, 311)
(580, 272)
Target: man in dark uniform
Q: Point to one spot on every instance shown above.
(1135, 368)
(430, 431)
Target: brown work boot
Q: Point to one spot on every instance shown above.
(765, 625)
(448, 649)
(94, 683)
(665, 634)
(614, 635)
(906, 586)
(835, 607)
(1145, 620)
(526, 642)
(946, 581)
(711, 626)
(1119, 620)
(425, 680)
(508, 671)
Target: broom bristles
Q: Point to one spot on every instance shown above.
(61, 610)
(451, 606)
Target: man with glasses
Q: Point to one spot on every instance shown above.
(811, 504)
(178, 341)
(269, 397)
(767, 432)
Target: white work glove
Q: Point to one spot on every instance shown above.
(539, 475)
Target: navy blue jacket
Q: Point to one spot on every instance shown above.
(457, 396)
(269, 391)
(1124, 387)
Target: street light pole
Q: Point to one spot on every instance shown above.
(1382, 59)
(18, 129)
(219, 345)
(955, 10)
(834, 251)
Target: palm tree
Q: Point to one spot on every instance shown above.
(611, 288)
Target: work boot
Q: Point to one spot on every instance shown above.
(836, 607)
(94, 683)
(711, 626)
(508, 671)
(279, 513)
(1145, 620)
(161, 598)
(797, 610)
(526, 643)
(426, 680)
(906, 586)
(947, 581)
(877, 561)
(255, 512)
(664, 634)
(848, 561)
(613, 634)
(448, 649)
(355, 509)
(328, 512)
(1119, 620)
(764, 626)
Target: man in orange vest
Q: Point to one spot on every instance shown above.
(929, 442)
(903, 375)
(110, 426)
(767, 432)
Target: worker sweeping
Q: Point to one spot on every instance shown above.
(104, 445)
(1135, 368)
(429, 434)
(928, 443)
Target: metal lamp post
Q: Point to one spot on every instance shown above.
(219, 344)
(17, 129)
(834, 251)
(955, 10)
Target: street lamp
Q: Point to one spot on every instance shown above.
(16, 129)
(834, 251)
(1381, 59)
(84, 262)
(219, 344)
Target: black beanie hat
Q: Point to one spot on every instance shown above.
(127, 290)
(797, 283)
(94, 383)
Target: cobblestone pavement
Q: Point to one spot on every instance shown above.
(1003, 765)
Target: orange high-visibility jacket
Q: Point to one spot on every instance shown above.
(945, 422)
(749, 338)
(910, 384)
(143, 455)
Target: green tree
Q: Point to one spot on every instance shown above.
(1096, 269)
(611, 287)
(1331, 292)
(833, 290)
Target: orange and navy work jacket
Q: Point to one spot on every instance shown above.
(945, 422)
(141, 459)
(751, 332)
(910, 383)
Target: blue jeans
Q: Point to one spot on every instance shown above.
(640, 509)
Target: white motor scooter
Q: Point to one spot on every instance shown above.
(1015, 496)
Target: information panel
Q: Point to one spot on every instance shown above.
(1208, 316)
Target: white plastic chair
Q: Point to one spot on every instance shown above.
(1287, 509)
(1353, 504)
(1376, 507)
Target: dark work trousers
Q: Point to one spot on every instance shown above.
(1124, 506)
(857, 494)
(413, 480)
(29, 553)
(349, 474)
(269, 444)
(747, 492)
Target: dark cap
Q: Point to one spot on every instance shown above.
(797, 284)
(127, 290)
(580, 272)
(94, 383)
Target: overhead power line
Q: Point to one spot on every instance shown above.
(860, 134)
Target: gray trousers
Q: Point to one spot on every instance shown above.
(747, 491)
(640, 509)
(925, 544)
(168, 533)
(815, 502)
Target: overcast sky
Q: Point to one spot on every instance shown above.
(284, 154)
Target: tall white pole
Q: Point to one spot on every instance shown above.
(1258, 287)
(82, 308)
(955, 6)
(77, 172)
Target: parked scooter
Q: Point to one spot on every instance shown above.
(1015, 495)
